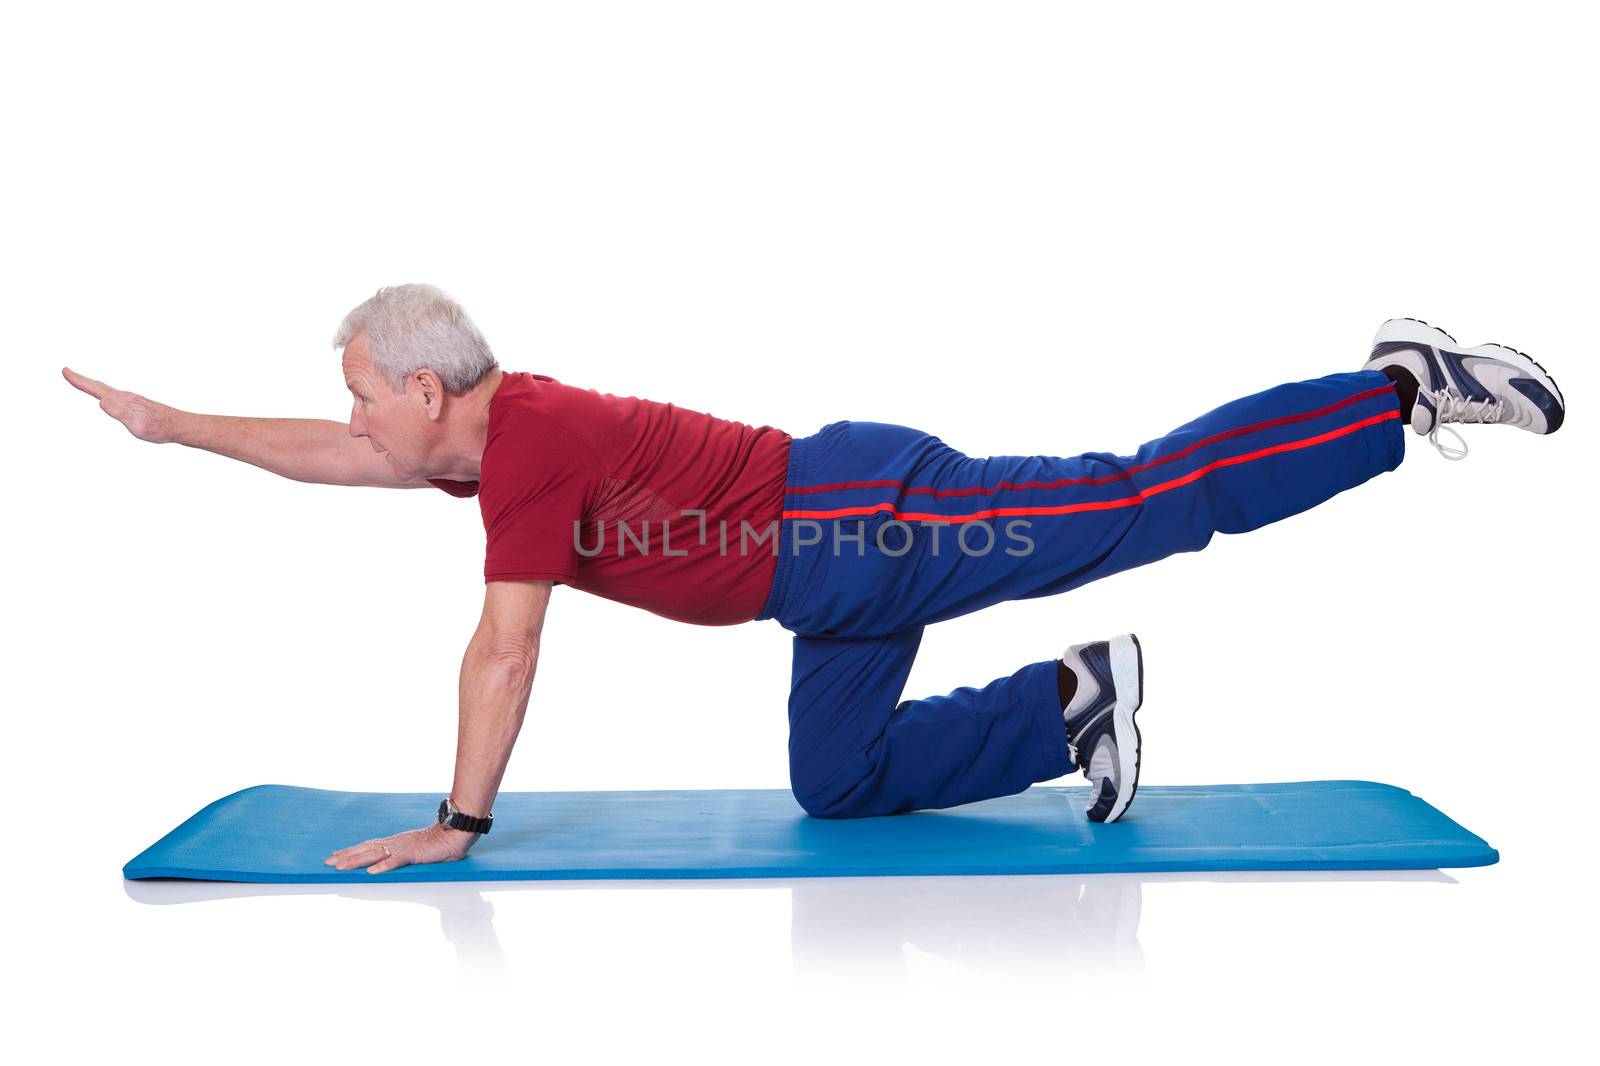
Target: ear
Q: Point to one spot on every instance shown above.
(431, 391)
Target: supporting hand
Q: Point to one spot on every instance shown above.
(415, 847)
(143, 417)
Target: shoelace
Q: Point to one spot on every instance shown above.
(1450, 406)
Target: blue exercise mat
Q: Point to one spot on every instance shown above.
(280, 833)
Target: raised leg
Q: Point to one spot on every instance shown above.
(905, 530)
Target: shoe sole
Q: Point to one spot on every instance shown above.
(1416, 331)
(1127, 674)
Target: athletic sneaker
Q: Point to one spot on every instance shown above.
(1489, 383)
(1100, 727)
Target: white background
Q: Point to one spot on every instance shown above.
(1026, 228)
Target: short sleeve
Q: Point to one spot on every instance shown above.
(537, 481)
(455, 488)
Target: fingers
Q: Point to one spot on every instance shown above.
(98, 389)
(382, 854)
(392, 862)
(368, 853)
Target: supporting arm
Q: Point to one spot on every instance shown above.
(496, 678)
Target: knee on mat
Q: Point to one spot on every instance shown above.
(813, 809)
(818, 804)
(821, 794)
(842, 805)
(842, 795)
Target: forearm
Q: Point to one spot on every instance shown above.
(495, 683)
(303, 449)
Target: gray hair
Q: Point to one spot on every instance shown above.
(409, 327)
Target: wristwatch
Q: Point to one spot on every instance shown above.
(450, 816)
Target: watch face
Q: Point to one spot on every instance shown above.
(444, 809)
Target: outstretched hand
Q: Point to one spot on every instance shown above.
(143, 417)
(436, 843)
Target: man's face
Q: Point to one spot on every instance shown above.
(395, 425)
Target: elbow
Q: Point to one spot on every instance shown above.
(516, 658)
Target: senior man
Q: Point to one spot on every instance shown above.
(853, 538)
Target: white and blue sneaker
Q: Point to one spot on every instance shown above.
(1100, 727)
(1490, 383)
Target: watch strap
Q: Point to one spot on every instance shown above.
(454, 819)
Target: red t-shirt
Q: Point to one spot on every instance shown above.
(620, 472)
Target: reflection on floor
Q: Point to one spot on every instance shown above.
(872, 926)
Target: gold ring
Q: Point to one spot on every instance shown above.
(385, 848)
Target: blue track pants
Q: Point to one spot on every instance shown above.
(887, 529)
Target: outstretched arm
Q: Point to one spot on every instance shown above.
(496, 677)
(303, 449)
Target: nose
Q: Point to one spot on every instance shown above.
(358, 423)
